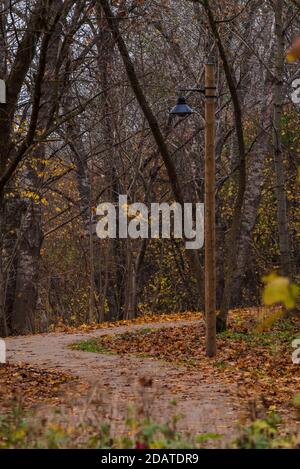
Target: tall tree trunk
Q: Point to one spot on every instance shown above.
(14, 82)
(3, 66)
(28, 254)
(10, 239)
(234, 232)
(117, 266)
(255, 179)
(26, 289)
(282, 217)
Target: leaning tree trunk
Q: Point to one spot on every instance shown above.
(152, 122)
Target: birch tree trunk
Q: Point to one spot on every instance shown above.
(31, 236)
(9, 206)
(255, 179)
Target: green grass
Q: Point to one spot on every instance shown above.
(95, 346)
(265, 338)
(128, 335)
(92, 345)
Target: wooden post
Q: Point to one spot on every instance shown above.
(210, 239)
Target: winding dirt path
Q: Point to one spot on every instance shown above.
(119, 381)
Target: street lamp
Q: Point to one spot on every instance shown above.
(182, 110)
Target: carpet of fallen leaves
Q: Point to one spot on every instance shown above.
(26, 385)
(144, 319)
(258, 364)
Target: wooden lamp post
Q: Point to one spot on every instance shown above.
(210, 209)
(182, 110)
